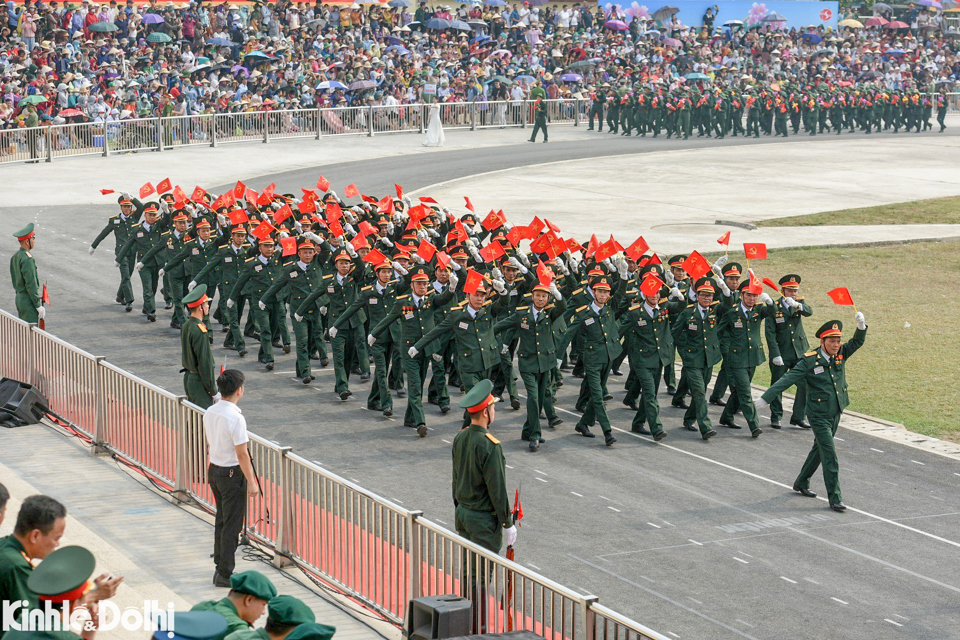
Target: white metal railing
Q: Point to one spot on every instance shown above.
(48, 142)
(374, 550)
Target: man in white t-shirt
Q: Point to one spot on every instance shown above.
(230, 473)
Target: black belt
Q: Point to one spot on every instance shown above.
(216, 466)
(188, 371)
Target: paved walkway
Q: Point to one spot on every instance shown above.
(161, 550)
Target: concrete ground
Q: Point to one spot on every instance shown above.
(693, 539)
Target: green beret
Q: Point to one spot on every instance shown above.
(253, 583)
(312, 631)
(197, 294)
(66, 569)
(26, 231)
(477, 395)
(192, 625)
(289, 610)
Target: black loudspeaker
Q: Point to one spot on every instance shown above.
(435, 617)
(20, 404)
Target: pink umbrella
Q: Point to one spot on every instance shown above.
(68, 113)
(876, 21)
(501, 53)
(896, 24)
(616, 25)
(672, 42)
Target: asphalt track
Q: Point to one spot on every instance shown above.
(694, 539)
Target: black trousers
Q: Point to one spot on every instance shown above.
(230, 497)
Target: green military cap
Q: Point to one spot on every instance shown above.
(479, 397)
(196, 297)
(253, 583)
(829, 329)
(677, 261)
(791, 280)
(312, 631)
(64, 575)
(190, 625)
(24, 233)
(289, 610)
(704, 284)
(732, 269)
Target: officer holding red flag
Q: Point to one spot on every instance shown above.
(787, 342)
(695, 334)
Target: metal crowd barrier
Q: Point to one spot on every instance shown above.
(44, 144)
(373, 550)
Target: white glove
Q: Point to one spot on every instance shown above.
(116, 264)
(390, 228)
(92, 249)
(332, 332)
(555, 292)
(126, 196)
(217, 398)
(510, 535)
(454, 281)
(433, 233)
(477, 229)
(562, 267)
(230, 303)
(314, 238)
(191, 285)
(421, 234)
(609, 265)
(349, 229)
(760, 404)
(623, 269)
(499, 287)
(193, 212)
(323, 311)
(222, 220)
(412, 352)
(559, 363)
(137, 266)
(496, 274)
(350, 250)
(437, 357)
(765, 298)
(668, 278)
(455, 265)
(41, 312)
(399, 269)
(505, 350)
(516, 265)
(675, 293)
(164, 207)
(861, 321)
(790, 303)
(262, 305)
(371, 339)
(721, 261)
(475, 254)
(418, 259)
(778, 361)
(723, 288)
(299, 318)
(159, 273)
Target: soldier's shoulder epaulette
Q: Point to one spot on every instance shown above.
(634, 307)
(812, 352)
(715, 302)
(692, 304)
(366, 288)
(245, 244)
(250, 258)
(487, 303)
(629, 291)
(116, 216)
(289, 263)
(549, 306)
(663, 300)
(523, 308)
(403, 297)
(579, 309)
(528, 294)
(577, 291)
(164, 233)
(136, 224)
(328, 276)
(492, 439)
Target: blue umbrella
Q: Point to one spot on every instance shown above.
(460, 25)
(399, 48)
(495, 3)
(437, 23)
(571, 77)
(152, 18)
(398, 3)
(257, 54)
(394, 40)
(330, 84)
(524, 78)
(220, 42)
(812, 38)
(697, 76)
(894, 52)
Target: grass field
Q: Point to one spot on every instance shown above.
(907, 371)
(935, 211)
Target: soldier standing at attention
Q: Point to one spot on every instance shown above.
(120, 225)
(26, 282)
(199, 377)
(826, 378)
(787, 342)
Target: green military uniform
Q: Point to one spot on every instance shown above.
(194, 256)
(26, 282)
(199, 376)
(480, 478)
(282, 611)
(227, 262)
(15, 570)
(827, 397)
(191, 625)
(251, 583)
(539, 120)
(787, 340)
(175, 281)
(695, 336)
(145, 242)
(257, 275)
(536, 358)
(514, 292)
(120, 226)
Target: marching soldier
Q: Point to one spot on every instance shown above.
(120, 225)
(540, 120)
(199, 375)
(729, 288)
(194, 256)
(146, 239)
(228, 262)
(256, 276)
(695, 336)
(175, 277)
(26, 282)
(787, 342)
(826, 377)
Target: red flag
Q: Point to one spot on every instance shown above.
(374, 257)
(228, 199)
(442, 259)
(615, 243)
(198, 194)
(770, 283)
(515, 235)
(493, 221)
(456, 235)
(323, 184)
(418, 213)
(164, 185)
(359, 241)
(426, 250)
(251, 197)
(264, 199)
(179, 196)
(651, 284)
(696, 265)
(104, 192)
(367, 229)
(44, 296)
(367, 198)
(335, 227)
(469, 204)
(386, 206)
(517, 507)
(655, 259)
(724, 239)
(841, 295)
(755, 250)
(351, 191)
(239, 189)
(542, 244)
(558, 246)
(238, 216)
(572, 245)
(544, 275)
(427, 199)
(270, 189)
(492, 251)
(534, 228)
(592, 245)
(399, 190)
(472, 282)
(289, 246)
(605, 250)
(307, 206)
(263, 230)
(333, 212)
(637, 249)
(552, 226)
(146, 190)
(282, 214)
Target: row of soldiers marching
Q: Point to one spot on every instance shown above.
(773, 109)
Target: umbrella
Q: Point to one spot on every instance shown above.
(930, 3)
(330, 84)
(894, 52)
(664, 12)
(503, 79)
(697, 76)
(870, 75)
(580, 64)
(361, 85)
(896, 24)
(36, 98)
(615, 25)
(103, 27)
(398, 48)
(950, 4)
(881, 6)
(812, 38)
(69, 113)
(437, 23)
(220, 42)
(199, 67)
(495, 3)
(876, 21)
(571, 77)
(538, 3)
(398, 3)
(774, 17)
(524, 78)
(257, 54)
(733, 23)
(152, 18)
(672, 42)
(824, 52)
(850, 23)
(500, 53)
(477, 24)
(158, 36)
(941, 81)
(460, 25)
(237, 68)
